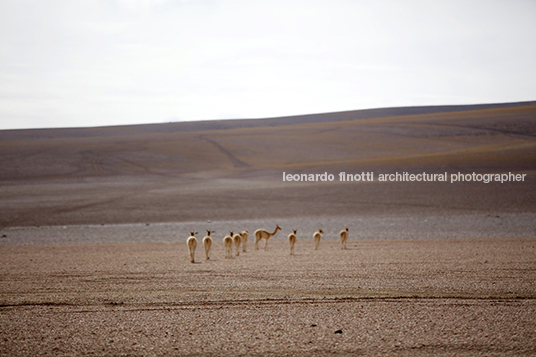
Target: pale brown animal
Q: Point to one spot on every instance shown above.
(237, 239)
(207, 242)
(292, 240)
(245, 237)
(228, 244)
(191, 242)
(317, 236)
(344, 237)
(264, 234)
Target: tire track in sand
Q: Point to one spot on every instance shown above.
(235, 161)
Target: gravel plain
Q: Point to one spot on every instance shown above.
(138, 296)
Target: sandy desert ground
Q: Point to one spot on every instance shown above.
(384, 296)
(93, 224)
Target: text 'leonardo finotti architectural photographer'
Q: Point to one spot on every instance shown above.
(406, 177)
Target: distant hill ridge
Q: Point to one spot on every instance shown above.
(107, 131)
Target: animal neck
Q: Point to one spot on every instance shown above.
(276, 229)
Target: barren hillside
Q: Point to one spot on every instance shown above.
(233, 169)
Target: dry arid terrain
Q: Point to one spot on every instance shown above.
(93, 225)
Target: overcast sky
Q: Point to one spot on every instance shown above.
(106, 62)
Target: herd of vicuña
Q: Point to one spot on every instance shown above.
(239, 241)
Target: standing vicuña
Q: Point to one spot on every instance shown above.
(264, 234)
(316, 236)
(191, 242)
(228, 244)
(245, 236)
(292, 240)
(207, 242)
(344, 237)
(237, 239)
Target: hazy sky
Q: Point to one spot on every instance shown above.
(91, 63)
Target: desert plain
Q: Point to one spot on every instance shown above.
(93, 225)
